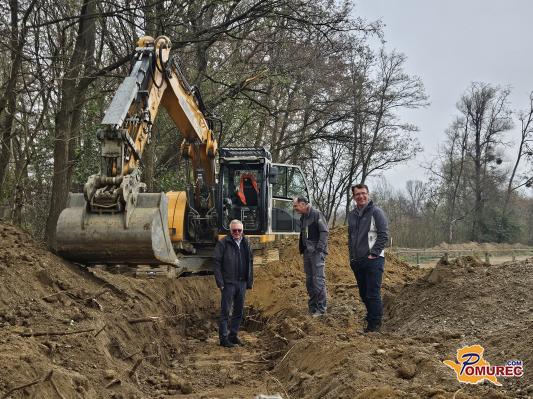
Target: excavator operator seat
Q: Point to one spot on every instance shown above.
(248, 190)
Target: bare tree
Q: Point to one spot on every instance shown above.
(379, 139)
(327, 179)
(387, 141)
(17, 41)
(486, 110)
(526, 140)
(416, 195)
(297, 77)
(67, 118)
(450, 170)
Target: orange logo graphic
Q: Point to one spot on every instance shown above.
(471, 368)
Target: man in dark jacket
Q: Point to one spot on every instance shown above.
(367, 237)
(233, 267)
(314, 247)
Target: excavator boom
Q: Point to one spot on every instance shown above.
(114, 221)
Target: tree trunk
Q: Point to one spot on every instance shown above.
(9, 97)
(478, 202)
(153, 15)
(353, 166)
(68, 116)
(527, 120)
(6, 124)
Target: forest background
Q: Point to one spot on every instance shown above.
(311, 82)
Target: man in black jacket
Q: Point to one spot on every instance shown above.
(314, 247)
(367, 237)
(233, 267)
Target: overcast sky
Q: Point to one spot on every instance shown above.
(449, 44)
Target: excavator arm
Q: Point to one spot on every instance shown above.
(114, 221)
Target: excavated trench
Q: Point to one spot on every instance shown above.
(87, 333)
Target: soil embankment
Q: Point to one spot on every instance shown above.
(88, 333)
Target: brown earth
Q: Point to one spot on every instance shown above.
(87, 333)
(476, 246)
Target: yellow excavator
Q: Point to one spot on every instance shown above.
(114, 221)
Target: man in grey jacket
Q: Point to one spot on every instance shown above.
(367, 237)
(314, 247)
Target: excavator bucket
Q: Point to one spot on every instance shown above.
(103, 238)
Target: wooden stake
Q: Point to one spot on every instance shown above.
(100, 330)
(113, 382)
(135, 367)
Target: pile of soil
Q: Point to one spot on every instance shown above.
(481, 303)
(91, 328)
(478, 247)
(80, 332)
(281, 285)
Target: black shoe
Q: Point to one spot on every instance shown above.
(235, 341)
(373, 328)
(226, 343)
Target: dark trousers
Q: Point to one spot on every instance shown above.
(232, 300)
(369, 273)
(315, 280)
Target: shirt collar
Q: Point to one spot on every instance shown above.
(361, 210)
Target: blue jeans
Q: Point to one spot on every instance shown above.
(233, 296)
(315, 280)
(369, 273)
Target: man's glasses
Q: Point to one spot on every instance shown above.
(360, 194)
(236, 230)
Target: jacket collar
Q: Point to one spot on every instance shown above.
(368, 206)
(304, 216)
(230, 239)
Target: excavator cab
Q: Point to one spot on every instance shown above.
(258, 192)
(243, 189)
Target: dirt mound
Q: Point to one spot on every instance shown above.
(87, 333)
(281, 285)
(476, 246)
(90, 329)
(330, 357)
(473, 301)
